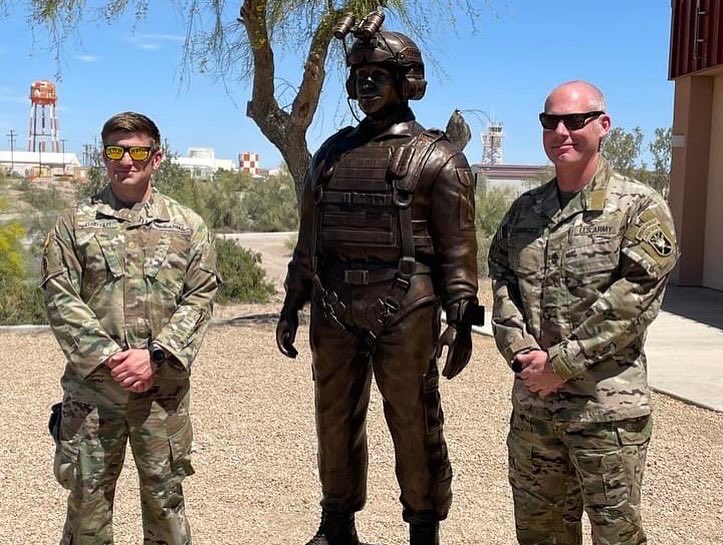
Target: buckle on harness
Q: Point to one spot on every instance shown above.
(359, 277)
(386, 308)
(400, 197)
(407, 265)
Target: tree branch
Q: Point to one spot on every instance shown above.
(263, 107)
(307, 99)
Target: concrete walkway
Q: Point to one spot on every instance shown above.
(685, 347)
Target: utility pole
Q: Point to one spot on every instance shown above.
(87, 155)
(62, 148)
(11, 136)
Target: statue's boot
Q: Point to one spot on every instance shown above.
(424, 534)
(335, 529)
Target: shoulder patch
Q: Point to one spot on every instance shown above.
(658, 240)
(465, 176)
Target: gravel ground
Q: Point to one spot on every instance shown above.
(255, 461)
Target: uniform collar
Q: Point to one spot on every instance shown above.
(139, 213)
(590, 198)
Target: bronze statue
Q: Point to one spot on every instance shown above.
(386, 240)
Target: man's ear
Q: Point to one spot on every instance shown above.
(605, 125)
(157, 159)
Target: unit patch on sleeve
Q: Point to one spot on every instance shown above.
(659, 241)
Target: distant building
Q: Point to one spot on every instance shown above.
(515, 178)
(202, 162)
(249, 163)
(38, 163)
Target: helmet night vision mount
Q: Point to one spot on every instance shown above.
(374, 46)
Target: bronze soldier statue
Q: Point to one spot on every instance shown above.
(386, 240)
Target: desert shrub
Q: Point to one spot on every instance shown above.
(244, 281)
(490, 207)
(21, 301)
(45, 199)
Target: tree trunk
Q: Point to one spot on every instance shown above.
(285, 130)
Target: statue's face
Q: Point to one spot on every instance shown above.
(376, 88)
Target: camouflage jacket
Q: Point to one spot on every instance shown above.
(583, 283)
(118, 278)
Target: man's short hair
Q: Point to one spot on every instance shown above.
(132, 122)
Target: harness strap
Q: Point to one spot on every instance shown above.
(407, 166)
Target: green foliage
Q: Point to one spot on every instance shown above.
(270, 205)
(4, 204)
(12, 264)
(490, 207)
(623, 150)
(95, 179)
(21, 301)
(44, 200)
(233, 201)
(661, 150)
(244, 281)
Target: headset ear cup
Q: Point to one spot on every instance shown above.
(413, 89)
(351, 85)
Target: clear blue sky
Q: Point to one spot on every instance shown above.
(506, 70)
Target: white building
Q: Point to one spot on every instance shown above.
(34, 163)
(202, 162)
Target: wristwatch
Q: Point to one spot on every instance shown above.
(158, 355)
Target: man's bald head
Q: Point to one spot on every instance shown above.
(582, 92)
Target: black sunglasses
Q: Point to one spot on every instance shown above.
(573, 122)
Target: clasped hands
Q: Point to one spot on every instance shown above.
(132, 369)
(537, 373)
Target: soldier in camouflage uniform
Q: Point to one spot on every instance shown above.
(579, 267)
(129, 277)
(386, 237)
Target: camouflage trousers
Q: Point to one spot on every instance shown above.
(406, 373)
(90, 454)
(557, 469)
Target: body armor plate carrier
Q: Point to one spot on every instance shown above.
(367, 202)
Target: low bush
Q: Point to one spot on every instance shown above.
(244, 281)
(21, 302)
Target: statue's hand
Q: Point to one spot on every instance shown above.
(458, 340)
(286, 331)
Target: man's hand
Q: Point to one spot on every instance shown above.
(458, 340)
(132, 369)
(537, 374)
(286, 331)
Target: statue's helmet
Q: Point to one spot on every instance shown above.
(395, 51)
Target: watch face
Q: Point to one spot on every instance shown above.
(157, 355)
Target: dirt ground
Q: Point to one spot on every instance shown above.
(255, 450)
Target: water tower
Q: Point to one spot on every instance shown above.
(43, 121)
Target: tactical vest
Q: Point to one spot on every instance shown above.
(364, 201)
